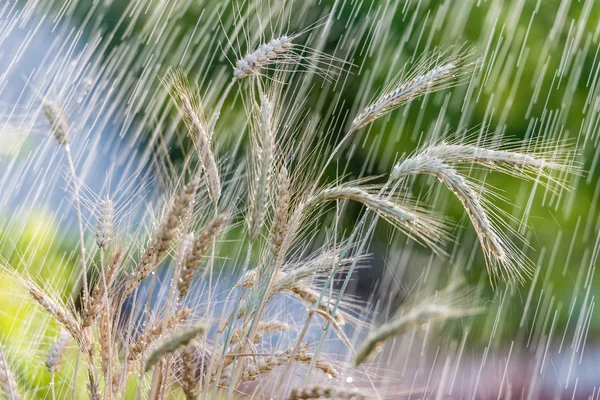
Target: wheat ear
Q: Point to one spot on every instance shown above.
(187, 100)
(58, 121)
(57, 311)
(152, 333)
(326, 392)
(57, 351)
(263, 146)
(97, 296)
(413, 222)
(198, 247)
(422, 79)
(502, 257)
(263, 327)
(267, 53)
(8, 384)
(282, 208)
(105, 223)
(159, 243)
(173, 342)
(450, 304)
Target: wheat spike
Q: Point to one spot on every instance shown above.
(96, 298)
(152, 333)
(159, 243)
(282, 208)
(57, 351)
(187, 100)
(58, 121)
(173, 342)
(8, 384)
(267, 53)
(451, 303)
(431, 73)
(413, 222)
(198, 247)
(263, 148)
(57, 311)
(105, 223)
(326, 392)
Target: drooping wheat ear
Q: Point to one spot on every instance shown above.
(451, 303)
(261, 330)
(267, 53)
(102, 287)
(524, 160)
(503, 258)
(198, 247)
(431, 73)
(152, 333)
(173, 342)
(263, 149)
(412, 221)
(105, 223)
(56, 310)
(282, 208)
(266, 364)
(326, 392)
(58, 121)
(8, 384)
(57, 351)
(187, 100)
(159, 243)
(311, 297)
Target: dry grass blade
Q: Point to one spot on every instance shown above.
(326, 392)
(173, 342)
